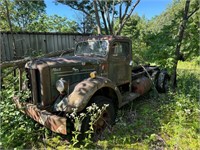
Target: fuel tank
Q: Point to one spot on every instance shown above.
(141, 85)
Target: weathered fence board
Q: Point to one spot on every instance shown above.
(29, 44)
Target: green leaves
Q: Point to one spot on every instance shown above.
(155, 41)
(31, 16)
(21, 13)
(14, 124)
(53, 23)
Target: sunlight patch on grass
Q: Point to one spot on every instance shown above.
(188, 65)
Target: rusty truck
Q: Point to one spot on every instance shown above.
(101, 71)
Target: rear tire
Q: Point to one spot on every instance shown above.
(163, 82)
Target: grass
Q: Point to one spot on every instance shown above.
(166, 121)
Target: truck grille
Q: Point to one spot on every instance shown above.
(33, 83)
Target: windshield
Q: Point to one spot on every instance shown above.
(90, 48)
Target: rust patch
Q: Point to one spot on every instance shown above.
(53, 122)
(142, 85)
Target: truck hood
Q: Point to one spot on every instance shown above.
(65, 61)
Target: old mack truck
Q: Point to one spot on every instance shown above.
(101, 71)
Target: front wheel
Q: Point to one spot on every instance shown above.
(105, 120)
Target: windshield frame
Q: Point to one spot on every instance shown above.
(90, 50)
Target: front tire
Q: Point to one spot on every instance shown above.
(105, 120)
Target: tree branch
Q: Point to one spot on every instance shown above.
(126, 18)
(108, 18)
(22, 62)
(103, 17)
(71, 6)
(192, 12)
(125, 12)
(120, 10)
(113, 12)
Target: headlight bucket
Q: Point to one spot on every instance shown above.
(61, 85)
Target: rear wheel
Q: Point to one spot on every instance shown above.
(105, 120)
(163, 82)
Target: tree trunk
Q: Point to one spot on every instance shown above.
(102, 10)
(178, 45)
(97, 17)
(104, 21)
(11, 30)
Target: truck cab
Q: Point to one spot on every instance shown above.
(101, 71)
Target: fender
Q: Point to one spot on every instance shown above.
(83, 92)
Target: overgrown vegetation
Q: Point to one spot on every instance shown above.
(31, 16)
(168, 121)
(154, 41)
(17, 130)
(165, 121)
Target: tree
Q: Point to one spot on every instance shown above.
(10, 26)
(105, 12)
(85, 23)
(53, 23)
(180, 37)
(27, 12)
(6, 20)
(135, 29)
(165, 42)
(22, 13)
(31, 16)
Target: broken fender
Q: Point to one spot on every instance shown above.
(83, 92)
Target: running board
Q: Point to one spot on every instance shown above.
(127, 97)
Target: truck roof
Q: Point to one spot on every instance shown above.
(103, 37)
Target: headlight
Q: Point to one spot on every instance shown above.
(61, 85)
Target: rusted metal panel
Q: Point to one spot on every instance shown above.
(119, 60)
(22, 42)
(64, 44)
(53, 122)
(18, 45)
(71, 41)
(141, 85)
(67, 42)
(45, 84)
(11, 46)
(59, 40)
(2, 46)
(33, 45)
(50, 43)
(55, 40)
(5, 49)
(27, 45)
(34, 86)
(27, 42)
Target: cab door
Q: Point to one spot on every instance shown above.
(119, 70)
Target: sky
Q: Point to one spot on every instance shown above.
(147, 8)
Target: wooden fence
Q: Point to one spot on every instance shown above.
(28, 44)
